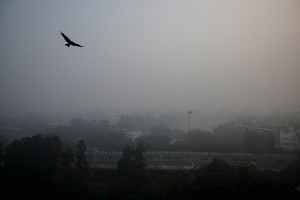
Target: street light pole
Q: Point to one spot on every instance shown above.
(189, 112)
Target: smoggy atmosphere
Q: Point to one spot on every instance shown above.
(150, 55)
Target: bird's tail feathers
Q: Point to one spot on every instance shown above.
(68, 45)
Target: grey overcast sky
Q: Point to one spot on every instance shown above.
(174, 54)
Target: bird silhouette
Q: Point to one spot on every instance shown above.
(70, 42)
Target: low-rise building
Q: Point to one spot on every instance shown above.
(286, 136)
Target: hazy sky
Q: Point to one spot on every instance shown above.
(185, 54)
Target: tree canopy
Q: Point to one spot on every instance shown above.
(42, 163)
(132, 176)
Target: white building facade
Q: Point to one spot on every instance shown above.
(287, 138)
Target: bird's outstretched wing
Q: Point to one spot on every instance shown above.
(66, 38)
(74, 44)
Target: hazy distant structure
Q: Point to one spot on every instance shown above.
(189, 113)
(260, 125)
(70, 42)
(285, 135)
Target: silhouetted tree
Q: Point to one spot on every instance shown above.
(132, 176)
(162, 141)
(1, 152)
(200, 140)
(174, 186)
(35, 159)
(149, 145)
(4, 140)
(160, 129)
(251, 141)
(126, 122)
(67, 157)
(81, 163)
(180, 146)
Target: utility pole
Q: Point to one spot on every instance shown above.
(90, 159)
(189, 113)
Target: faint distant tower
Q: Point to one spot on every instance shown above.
(189, 113)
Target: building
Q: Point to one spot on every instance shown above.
(286, 136)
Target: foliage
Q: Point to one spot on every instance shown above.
(136, 122)
(250, 141)
(161, 141)
(291, 174)
(4, 140)
(174, 186)
(110, 141)
(126, 122)
(41, 162)
(160, 129)
(149, 145)
(178, 134)
(99, 134)
(180, 146)
(267, 143)
(1, 152)
(81, 163)
(35, 159)
(220, 179)
(200, 140)
(226, 139)
(67, 157)
(132, 176)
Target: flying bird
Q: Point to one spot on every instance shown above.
(70, 42)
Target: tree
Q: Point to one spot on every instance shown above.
(140, 175)
(43, 165)
(149, 145)
(81, 163)
(162, 141)
(126, 162)
(292, 174)
(67, 157)
(4, 140)
(104, 126)
(67, 143)
(160, 129)
(1, 152)
(227, 134)
(250, 141)
(200, 140)
(34, 159)
(174, 186)
(180, 146)
(212, 181)
(178, 134)
(68, 178)
(132, 176)
(126, 122)
(271, 143)
(219, 179)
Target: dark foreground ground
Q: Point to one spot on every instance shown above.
(12, 189)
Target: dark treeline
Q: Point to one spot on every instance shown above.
(160, 137)
(101, 134)
(32, 122)
(39, 168)
(215, 180)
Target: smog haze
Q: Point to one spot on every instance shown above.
(150, 55)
